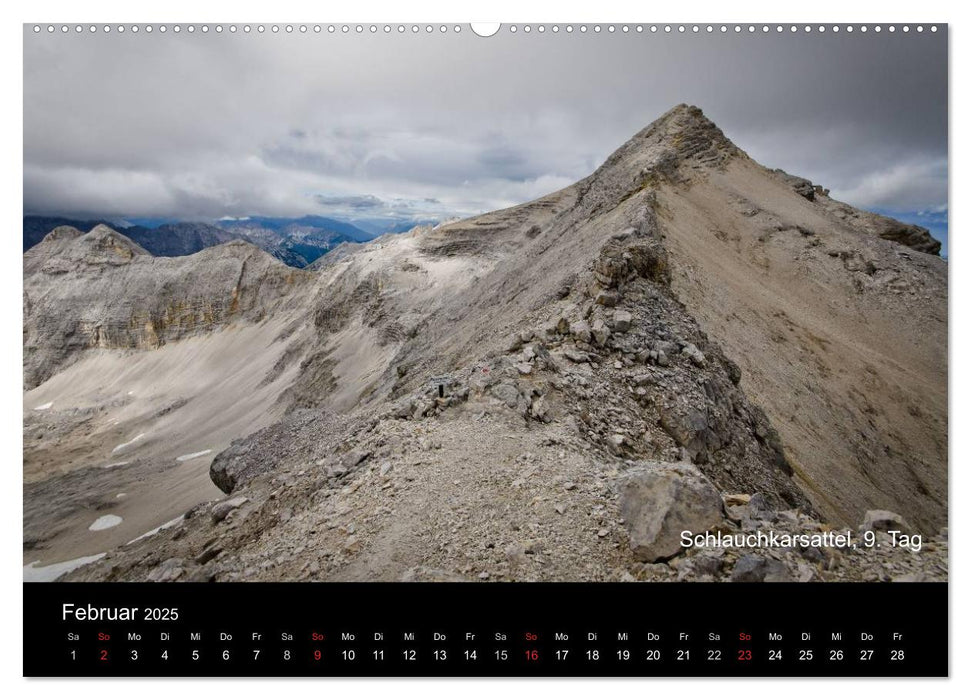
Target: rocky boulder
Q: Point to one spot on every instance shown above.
(659, 501)
(222, 509)
(622, 321)
(799, 185)
(581, 331)
(690, 428)
(884, 521)
(753, 568)
(600, 332)
(233, 466)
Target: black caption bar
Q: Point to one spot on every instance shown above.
(487, 629)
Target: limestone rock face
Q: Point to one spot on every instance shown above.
(103, 290)
(660, 501)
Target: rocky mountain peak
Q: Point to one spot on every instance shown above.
(66, 248)
(682, 136)
(63, 233)
(50, 251)
(670, 149)
(103, 245)
(687, 131)
(238, 249)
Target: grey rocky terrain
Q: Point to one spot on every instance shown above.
(682, 340)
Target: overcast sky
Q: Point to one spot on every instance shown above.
(202, 126)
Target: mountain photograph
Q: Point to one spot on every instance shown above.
(581, 329)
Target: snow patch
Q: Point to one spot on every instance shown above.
(44, 406)
(115, 464)
(163, 526)
(34, 573)
(104, 522)
(192, 455)
(126, 444)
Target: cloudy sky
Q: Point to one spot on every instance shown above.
(202, 126)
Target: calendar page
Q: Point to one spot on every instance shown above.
(590, 349)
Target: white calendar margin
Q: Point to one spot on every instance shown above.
(602, 11)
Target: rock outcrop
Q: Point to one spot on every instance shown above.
(910, 235)
(884, 521)
(660, 502)
(100, 290)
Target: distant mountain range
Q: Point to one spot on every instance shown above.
(297, 242)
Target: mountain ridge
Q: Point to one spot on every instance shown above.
(297, 242)
(472, 398)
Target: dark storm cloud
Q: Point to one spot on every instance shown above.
(204, 126)
(364, 202)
